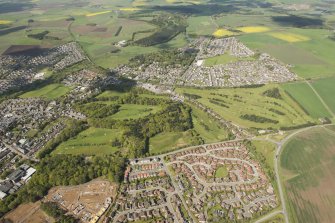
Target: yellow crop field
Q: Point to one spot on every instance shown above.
(129, 9)
(223, 32)
(5, 22)
(290, 37)
(253, 29)
(97, 13)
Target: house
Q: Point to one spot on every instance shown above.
(16, 175)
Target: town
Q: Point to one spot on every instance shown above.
(214, 182)
(244, 68)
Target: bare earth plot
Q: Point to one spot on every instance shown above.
(86, 202)
(29, 213)
(308, 165)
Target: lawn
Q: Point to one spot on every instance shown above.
(168, 141)
(209, 130)
(326, 89)
(93, 141)
(132, 111)
(307, 169)
(52, 91)
(221, 172)
(223, 59)
(233, 103)
(306, 97)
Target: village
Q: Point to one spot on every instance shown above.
(244, 68)
(198, 184)
(23, 65)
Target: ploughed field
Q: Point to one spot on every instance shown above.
(307, 169)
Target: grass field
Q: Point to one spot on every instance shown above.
(326, 89)
(52, 91)
(221, 172)
(93, 141)
(131, 111)
(168, 141)
(305, 96)
(207, 25)
(307, 168)
(209, 130)
(267, 149)
(233, 103)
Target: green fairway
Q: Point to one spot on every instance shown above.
(130, 111)
(240, 105)
(168, 141)
(93, 141)
(52, 91)
(326, 89)
(209, 130)
(221, 172)
(307, 168)
(306, 97)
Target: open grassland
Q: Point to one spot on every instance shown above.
(253, 29)
(306, 97)
(132, 111)
(308, 166)
(234, 103)
(200, 25)
(267, 149)
(52, 91)
(326, 89)
(208, 129)
(93, 141)
(289, 37)
(223, 33)
(168, 141)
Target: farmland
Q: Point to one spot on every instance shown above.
(233, 104)
(51, 91)
(91, 142)
(307, 167)
(305, 96)
(325, 88)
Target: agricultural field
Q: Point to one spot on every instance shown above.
(306, 97)
(241, 105)
(168, 141)
(219, 33)
(52, 91)
(92, 141)
(307, 169)
(309, 51)
(325, 88)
